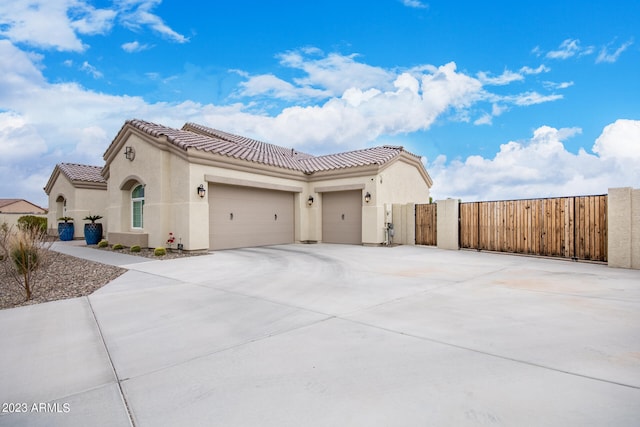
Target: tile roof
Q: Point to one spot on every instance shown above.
(215, 141)
(87, 173)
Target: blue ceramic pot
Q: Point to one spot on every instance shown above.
(65, 231)
(92, 233)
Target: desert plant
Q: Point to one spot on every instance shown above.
(23, 253)
(24, 257)
(103, 244)
(65, 219)
(32, 221)
(135, 248)
(92, 218)
(117, 247)
(160, 251)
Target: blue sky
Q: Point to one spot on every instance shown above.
(502, 99)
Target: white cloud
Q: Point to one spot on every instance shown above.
(40, 23)
(57, 24)
(414, 4)
(611, 57)
(540, 69)
(336, 73)
(136, 14)
(14, 131)
(542, 167)
(134, 46)
(504, 79)
(509, 76)
(554, 85)
(530, 98)
(268, 84)
(89, 20)
(570, 48)
(621, 141)
(90, 69)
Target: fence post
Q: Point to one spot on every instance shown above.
(623, 218)
(448, 228)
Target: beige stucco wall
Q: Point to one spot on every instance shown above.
(404, 222)
(624, 227)
(448, 227)
(81, 202)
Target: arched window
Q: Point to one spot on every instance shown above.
(137, 206)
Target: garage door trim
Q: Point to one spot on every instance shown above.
(248, 183)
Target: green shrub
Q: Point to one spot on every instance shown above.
(103, 244)
(117, 247)
(135, 248)
(32, 222)
(159, 251)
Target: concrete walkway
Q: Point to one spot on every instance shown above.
(331, 335)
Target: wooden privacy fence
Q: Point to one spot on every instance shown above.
(570, 227)
(426, 224)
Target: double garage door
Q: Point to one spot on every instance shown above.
(245, 216)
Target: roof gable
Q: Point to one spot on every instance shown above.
(81, 176)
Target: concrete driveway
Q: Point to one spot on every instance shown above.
(324, 335)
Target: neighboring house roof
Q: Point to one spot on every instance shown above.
(5, 205)
(81, 176)
(203, 138)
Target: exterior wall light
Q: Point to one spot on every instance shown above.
(310, 201)
(367, 197)
(129, 153)
(201, 191)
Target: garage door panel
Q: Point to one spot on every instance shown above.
(342, 217)
(244, 217)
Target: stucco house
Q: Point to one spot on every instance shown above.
(216, 190)
(209, 189)
(12, 209)
(75, 191)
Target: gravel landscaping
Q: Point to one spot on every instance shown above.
(68, 277)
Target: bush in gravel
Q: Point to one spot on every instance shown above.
(103, 244)
(135, 248)
(32, 221)
(23, 251)
(117, 247)
(159, 251)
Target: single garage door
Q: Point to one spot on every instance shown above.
(245, 216)
(342, 217)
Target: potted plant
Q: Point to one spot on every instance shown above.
(93, 230)
(65, 228)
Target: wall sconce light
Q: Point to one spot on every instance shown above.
(367, 197)
(201, 191)
(310, 201)
(129, 153)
